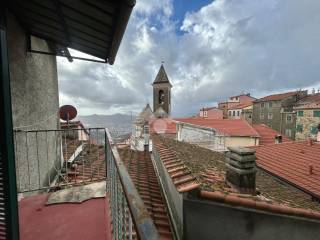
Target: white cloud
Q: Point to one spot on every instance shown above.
(224, 48)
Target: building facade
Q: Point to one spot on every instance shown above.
(308, 117)
(235, 103)
(276, 111)
(211, 113)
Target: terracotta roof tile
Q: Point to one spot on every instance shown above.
(240, 106)
(180, 174)
(231, 127)
(291, 162)
(276, 97)
(162, 126)
(268, 134)
(208, 167)
(142, 173)
(311, 101)
(238, 200)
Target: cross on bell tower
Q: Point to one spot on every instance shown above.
(162, 92)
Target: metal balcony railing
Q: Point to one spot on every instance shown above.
(49, 160)
(55, 159)
(130, 218)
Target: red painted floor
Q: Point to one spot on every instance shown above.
(68, 221)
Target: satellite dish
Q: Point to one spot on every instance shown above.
(67, 112)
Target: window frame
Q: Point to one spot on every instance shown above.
(300, 113)
(316, 113)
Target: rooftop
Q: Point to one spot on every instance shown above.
(209, 108)
(268, 134)
(231, 127)
(297, 163)
(276, 97)
(163, 126)
(142, 173)
(208, 167)
(311, 101)
(241, 106)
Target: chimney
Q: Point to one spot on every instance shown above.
(278, 139)
(241, 169)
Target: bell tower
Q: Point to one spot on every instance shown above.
(162, 93)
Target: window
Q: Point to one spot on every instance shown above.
(262, 105)
(316, 113)
(261, 115)
(300, 113)
(233, 113)
(161, 97)
(289, 119)
(270, 104)
(205, 113)
(270, 115)
(313, 130)
(238, 113)
(288, 133)
(299, 128)
(229, 113)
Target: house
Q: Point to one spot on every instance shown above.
(276, 111)
(233, 101)
(211, 113)
(241, 111)
(308, 117)
(216, 134)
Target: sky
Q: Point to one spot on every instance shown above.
(211, 50)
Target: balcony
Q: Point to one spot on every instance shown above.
(72, 184)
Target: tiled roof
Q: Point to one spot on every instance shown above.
(209, 169)
(180, 174)
(161, 76)
(231, 127)
(268, 134)
(309, 102)
(142, 173)
(163, 126)
(209, 108)
(276, 97)
(297, 163)
(240, 106)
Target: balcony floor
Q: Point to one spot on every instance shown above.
(65, 221)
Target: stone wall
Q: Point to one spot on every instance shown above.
(307, 121)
